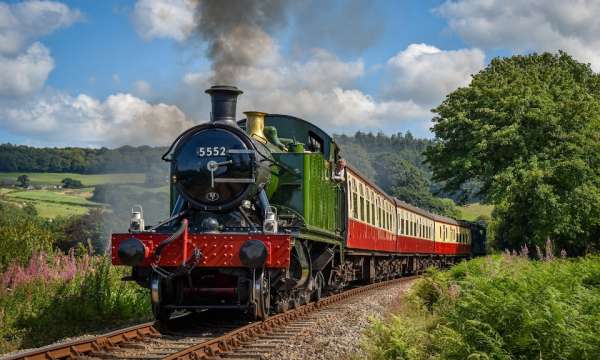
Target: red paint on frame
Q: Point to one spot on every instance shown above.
(218, 250)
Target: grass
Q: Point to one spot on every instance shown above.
(497, 307)
(70, 202)
(54, 203)
(53, 210)
(87, 180)
(472, 211)
(59, 197)
(63, 295)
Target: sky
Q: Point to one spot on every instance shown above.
(111, 73)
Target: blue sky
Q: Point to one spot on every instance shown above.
(105, 43)
(108, 73)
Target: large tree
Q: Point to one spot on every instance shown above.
(527, 129)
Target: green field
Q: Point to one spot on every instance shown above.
(53, 203)
(87, 180)
(473, 211)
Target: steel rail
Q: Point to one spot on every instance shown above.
(205, 350)
(78, 348)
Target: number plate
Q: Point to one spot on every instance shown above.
(211, 151)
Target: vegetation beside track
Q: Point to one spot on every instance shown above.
(51, 284)
(497, 307)
(57, 295)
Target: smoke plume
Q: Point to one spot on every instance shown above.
(235, 31)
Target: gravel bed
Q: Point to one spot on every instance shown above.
(338, 335)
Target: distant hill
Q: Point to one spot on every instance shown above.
(395, 163)
(125, 159)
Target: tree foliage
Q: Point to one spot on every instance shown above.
(70, 183)
(23, 181)
(396, 164)
(23, 233)
(21, 158)
(527, 129)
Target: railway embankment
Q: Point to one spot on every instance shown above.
(497, 307)
(54, 296)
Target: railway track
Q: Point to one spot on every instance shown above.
(201, 336)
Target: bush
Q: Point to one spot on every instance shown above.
(70, 296)
(23, 233)
(500, 307)
(69, 183)
(87, 230)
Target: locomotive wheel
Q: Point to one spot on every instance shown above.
(282, 304)
(262, 296)
(319, 284)
(304, 297)
(296, 302)
(159, 311)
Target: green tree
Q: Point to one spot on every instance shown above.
(70, 183)
(400, 178)
(23, 233)
(357, 157)
(527, 129)
(23, 181)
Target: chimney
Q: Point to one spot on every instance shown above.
(223, 100)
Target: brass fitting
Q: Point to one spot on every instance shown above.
(255, 125)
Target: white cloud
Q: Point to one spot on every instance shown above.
(425, 74)
(26, 73)
(164, 19)
(22, 22)
(121, 119)
(25, 66)
(321, 89)
(142, 88)
(524, 25)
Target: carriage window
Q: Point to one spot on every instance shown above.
(315, 143)
(373, 213)
(355, 205)
(362, 208)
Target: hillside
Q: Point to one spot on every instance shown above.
(395, 163)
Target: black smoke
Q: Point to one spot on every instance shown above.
(235, 30)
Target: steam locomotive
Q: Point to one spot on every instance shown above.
(265, 215)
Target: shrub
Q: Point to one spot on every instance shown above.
(69, 183)
(499, 307)
(23, 181)
(87, 230)
(23, 233)
(87, 296)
